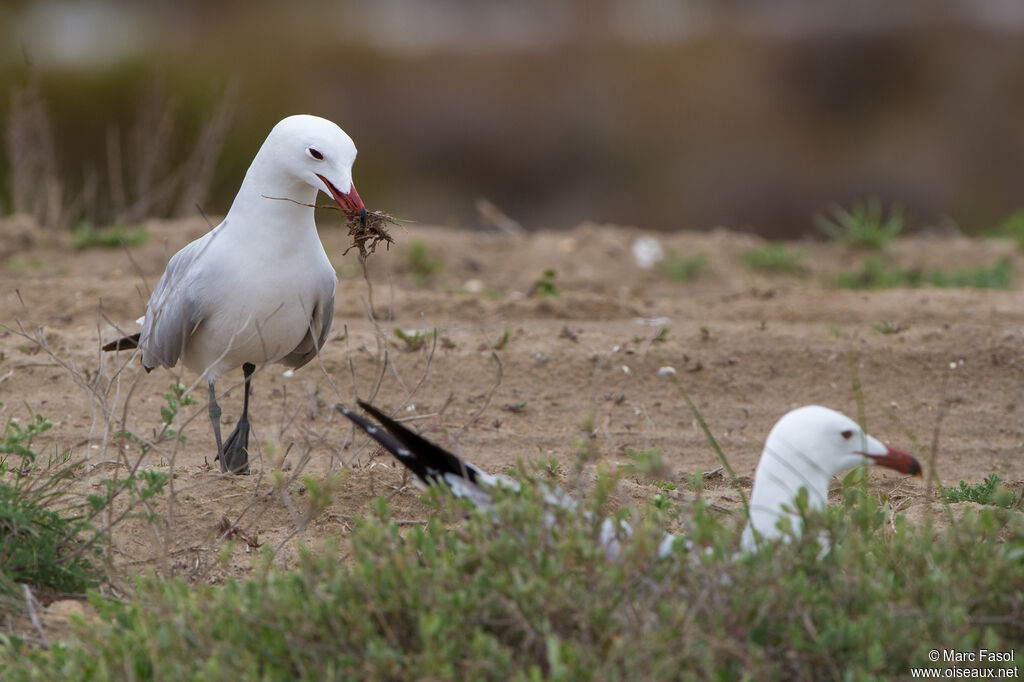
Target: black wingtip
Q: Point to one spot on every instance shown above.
(427, 459)
(389, 442)
(125, 343)
(432, 456)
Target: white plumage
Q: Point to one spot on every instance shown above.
(258, 288)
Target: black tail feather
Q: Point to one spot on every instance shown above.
(389, 443)
(126, 343)
(430, 455)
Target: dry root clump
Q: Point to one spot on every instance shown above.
(366, 237)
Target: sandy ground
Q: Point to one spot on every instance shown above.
(582, 364)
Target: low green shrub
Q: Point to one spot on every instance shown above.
(1012, 226)
(49, 536)
(991, 491)
(527, 593)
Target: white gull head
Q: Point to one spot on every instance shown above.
(805, 449)
(301, 155)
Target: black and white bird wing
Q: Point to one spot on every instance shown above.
(429, 462)
(433, 464)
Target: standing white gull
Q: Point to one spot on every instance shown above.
(804, 450)
(258, 288)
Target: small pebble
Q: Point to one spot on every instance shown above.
(666, 371)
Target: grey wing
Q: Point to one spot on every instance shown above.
(319, 327)
(173, 311)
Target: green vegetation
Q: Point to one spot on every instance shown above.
(567, 333)
(684, 270)
(865, 226)
(695, 482)
(413, 341)
(775, 257)
(502, 342)
(421, 264)
(544, 285)
(992, 492)
(175, 400)
(516, 407)
(22, 265)
(40, 547)
(875, 274)
(661, 501)
(51, 538)
(504, 598)
(1012, 226)
(645, 462)
(889, 327)
(86, 236)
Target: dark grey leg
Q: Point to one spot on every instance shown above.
(215, 417)
(234, 456)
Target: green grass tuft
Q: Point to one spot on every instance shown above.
(875, 274)
(889, 327)
(413, 341)
(502, 342)
(544, 285)
(775, 258)
(864, 226)
(421, 264)
(684, 270)
(86, 236)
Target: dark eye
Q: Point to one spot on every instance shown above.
(315, 153)
(847, 434)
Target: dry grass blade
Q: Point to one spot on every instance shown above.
(35, 183)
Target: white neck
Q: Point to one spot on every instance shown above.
(780, 476)
(272, 204)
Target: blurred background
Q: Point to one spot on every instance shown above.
(664, 114)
